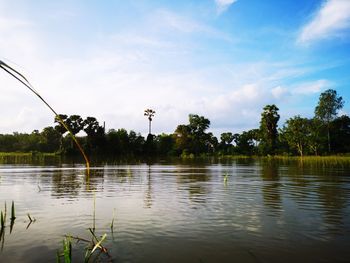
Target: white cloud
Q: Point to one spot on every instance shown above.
(119, 74)
(312, 87)
(279, 92)
(331, 20)
(223, 5)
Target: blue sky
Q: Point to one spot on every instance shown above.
(223, 59)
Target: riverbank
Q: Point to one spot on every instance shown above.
(44, 158)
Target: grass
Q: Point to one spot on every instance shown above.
(27, 158)
(93, 243)
(112, 223)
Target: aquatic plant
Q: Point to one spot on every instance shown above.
(112, 223)
(93, 244)
(13, 216)
(26, 83)
(2, 219)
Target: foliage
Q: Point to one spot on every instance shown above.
(328, 105)
(327, 108)
(299, 135)
(297, 132)
(268, 129)
(192, 138)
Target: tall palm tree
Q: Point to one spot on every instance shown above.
(149, 113)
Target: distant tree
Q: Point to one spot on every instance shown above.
(340, 129)
(245, 143)
(327, 109)
(268, 129)
(165, 144)
(95, 134)
(193, 138)
(136, 142)
(297, 133)
(198, 124)
(317, 138)
(182, 137)
(212, 143)
(149, 113)
(226, 139)
(59, 127)
(50, 140)
(75, 123)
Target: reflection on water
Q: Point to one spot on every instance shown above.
(234, 211)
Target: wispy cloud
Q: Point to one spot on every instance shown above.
(223, 5)
(312, 87)
(332, 19)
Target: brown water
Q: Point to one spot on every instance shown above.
(262, 212)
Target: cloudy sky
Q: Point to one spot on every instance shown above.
(224, 59)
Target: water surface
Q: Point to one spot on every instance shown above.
(261, 212)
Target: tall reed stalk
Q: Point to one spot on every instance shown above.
(26, 83)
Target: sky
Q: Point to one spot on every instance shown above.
(222, 59)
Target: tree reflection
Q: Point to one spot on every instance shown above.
(195, 182)
(271, 185)
(333, 198)
(65, 182)
(148, 193)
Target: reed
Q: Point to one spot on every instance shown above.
(26, 83)
(2, 220)
(5, 213)
(94, 214)
(93, 244)
(13, 215)
(112, 223)
(67, 250)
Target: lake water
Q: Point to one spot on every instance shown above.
(233, 211)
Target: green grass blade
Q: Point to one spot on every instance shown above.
(67, 250)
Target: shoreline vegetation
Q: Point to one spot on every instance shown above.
(325, 134)
(39, 157)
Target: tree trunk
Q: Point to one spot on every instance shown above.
(329, 139)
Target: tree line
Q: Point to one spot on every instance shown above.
(325, 133)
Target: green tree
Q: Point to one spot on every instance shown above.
(297, 133)
(245, 143)
(165, 144)
(193, 138)
(199, 139)
(327, 109)
(340, 129)
(317, 140)
(182, 137)
(50, 140)
(95, 134)
(226, 139)
(268, 129)
(75, 123)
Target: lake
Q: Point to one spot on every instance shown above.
(241, 210)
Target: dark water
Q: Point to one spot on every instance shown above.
(261, 212)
